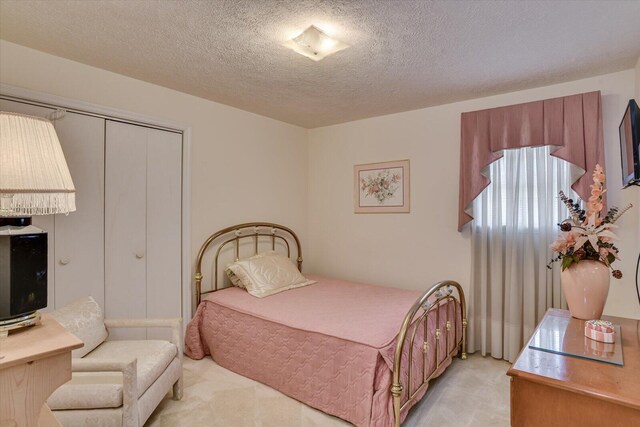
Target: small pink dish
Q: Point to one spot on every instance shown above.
(599, 330)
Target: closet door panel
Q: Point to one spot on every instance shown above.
(164, 227)
(123, 243)
(44, 222)
(79, 243)
(125, 224)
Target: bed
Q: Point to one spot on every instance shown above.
(360, 352)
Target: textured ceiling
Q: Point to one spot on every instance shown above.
(404, 55)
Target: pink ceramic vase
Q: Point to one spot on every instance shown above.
(586, 285)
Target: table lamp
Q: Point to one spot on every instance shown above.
(34, 180)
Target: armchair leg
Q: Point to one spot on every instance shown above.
(177, 389)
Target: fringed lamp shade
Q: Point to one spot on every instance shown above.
(34, 177)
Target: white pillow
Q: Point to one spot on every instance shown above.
(233, 278)
(83, 317)
(268, 273)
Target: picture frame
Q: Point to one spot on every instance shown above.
(381, 187)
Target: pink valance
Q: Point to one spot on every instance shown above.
(573, 123)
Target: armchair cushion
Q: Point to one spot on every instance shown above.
(153, 357)
(89, 390)
(83, 317)
(104, 389)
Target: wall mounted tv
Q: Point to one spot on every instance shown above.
(630, 145)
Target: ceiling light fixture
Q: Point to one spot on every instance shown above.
(315, 44)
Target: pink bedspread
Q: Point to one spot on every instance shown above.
(329, 345)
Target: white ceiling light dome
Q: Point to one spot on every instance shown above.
(315, 44)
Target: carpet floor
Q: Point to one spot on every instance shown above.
(472, 392)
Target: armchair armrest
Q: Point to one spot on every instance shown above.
(129, 380)
(143, 323)
(103, 365)
(175, 324)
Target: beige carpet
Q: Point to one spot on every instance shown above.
(474, 392)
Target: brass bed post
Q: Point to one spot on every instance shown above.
(198, 278)
(255, 241)
(463, 315)
(442, 292)
(425, 349)
(448, 328)
(437, 336)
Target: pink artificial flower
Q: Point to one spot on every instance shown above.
(565, 241)
(594, 207)
(598, 174)
(559, 246)
(604, 253)
(594, 204)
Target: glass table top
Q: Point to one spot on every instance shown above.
(565, 335)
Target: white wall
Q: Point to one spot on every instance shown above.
(415, 250)
(245, 167)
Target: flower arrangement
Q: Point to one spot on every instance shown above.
(587, 234)
(381, 186)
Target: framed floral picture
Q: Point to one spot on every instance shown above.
(381, 187)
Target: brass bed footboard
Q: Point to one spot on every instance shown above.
(415, 318)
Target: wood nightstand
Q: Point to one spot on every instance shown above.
(37, 360)
(556, 390)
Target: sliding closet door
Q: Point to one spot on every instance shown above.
(79, 236)
(164, 225)
(125, 224)
(143, 218)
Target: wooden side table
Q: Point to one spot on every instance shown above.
(35, 362)
(550, 389)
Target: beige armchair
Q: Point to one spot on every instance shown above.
(116, 382)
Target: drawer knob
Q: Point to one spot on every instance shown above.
(140, 255)
(64, 261)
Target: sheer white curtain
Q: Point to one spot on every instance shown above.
(515, 221)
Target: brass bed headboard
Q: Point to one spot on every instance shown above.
(236, 233)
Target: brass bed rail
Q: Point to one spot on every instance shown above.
(442, 291)
(417, 316)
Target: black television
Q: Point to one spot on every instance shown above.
(23, 272)
(630, 145)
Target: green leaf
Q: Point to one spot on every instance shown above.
(611, 258)
(566, 262)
